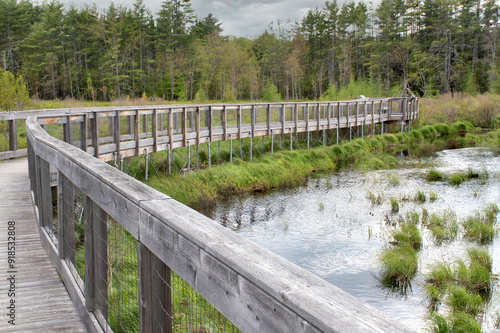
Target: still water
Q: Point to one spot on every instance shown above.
(331, 228)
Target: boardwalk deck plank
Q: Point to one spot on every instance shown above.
(42, 302)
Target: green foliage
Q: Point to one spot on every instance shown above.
(13, 92)
(398, 264)
(481, 228)
(375, 199)
(407, 234)
(270, 92)
(444, 227)
(394, 206)
(456, 178)
(420, 197)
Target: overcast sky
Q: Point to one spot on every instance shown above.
(247, 18)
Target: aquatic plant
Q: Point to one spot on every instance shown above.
(398, 264)
(434, 175)
(394, 206)
(412, 217)
(444, 227)
(464, 288)
(376, 200)
(456, 178)
(420, 197)
(432, 196)
(407, 235)
(458, 322)
(393, 180)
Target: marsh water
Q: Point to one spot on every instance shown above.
(332, 229)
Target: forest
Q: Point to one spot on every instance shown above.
(432, 46)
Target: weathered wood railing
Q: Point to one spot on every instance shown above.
(253, 288)
(131, 131)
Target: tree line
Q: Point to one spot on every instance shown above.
(429, 46)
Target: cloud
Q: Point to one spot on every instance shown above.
(247, 18)
(251, 18)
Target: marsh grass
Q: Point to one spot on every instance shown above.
(456, 178)
(444, 227)
(393, 180)
(481, 227)
(398, 264)
(432, 196)
(420, 197)
(434, 175)
(464, 287)
(394, 206)
(375, 199)
(407, 234)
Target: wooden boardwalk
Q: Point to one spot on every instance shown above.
(42, 303)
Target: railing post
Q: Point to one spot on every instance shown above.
(238, 121)
(68, 131)
(45, 198)
(170, 128)
(198, 126)
(117, 134)
(96, 261)
(184, 126)
(89, 290)
(154, 129)
(66, 218)
(253, 119)
(210, 124)
(283, 119)
(95, 134)
(268, 119)
(155, 299)
(224, 122)
(83, 132)
(13, 135)
(137, 134)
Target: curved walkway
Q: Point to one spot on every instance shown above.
(32, 283)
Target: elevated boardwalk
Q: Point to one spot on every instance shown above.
(132, 258)
(42, 303)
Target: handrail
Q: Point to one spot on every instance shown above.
(280, 118)
(255, 289)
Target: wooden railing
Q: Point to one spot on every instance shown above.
(254, 289)
(131, 131)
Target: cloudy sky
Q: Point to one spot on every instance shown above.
(248, 18)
